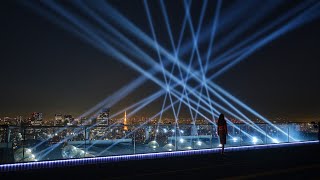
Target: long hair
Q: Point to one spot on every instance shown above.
(221, 120)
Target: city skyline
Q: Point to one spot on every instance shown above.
(47, 69)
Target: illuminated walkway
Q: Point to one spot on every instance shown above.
(291, 160)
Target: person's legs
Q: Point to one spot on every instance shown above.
(222, 150)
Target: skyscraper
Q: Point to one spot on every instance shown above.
(36, 118)
(68, 119)
(103, 117)
(58, 120)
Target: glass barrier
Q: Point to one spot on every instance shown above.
(145, 139)
(252, 135)
(39, 143)
(234, 136)
(278, 133)
(203, 136)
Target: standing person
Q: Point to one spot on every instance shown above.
(222, 131)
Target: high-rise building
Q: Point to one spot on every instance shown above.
(103, 117)
(36, 118)
(84, 121)
(58, 120)
(68, 119)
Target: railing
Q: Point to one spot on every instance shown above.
(20, 144)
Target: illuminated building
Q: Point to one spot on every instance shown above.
(36, 118)
(68, 119)
(84, 121)
(58, 120)
(103, 117)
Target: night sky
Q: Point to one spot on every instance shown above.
(47, 69)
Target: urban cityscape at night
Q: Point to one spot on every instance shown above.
(108, 82)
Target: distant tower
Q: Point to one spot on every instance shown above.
(125, 121)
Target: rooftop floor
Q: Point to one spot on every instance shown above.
(296, 162)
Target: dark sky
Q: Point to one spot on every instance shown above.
(48, 69)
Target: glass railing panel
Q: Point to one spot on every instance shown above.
(277, 133)
(155, 138)
(234, 136)
(262, 131)
(203, 137)
(311, 132)
(6, 152)
(252, 134)
(146, 139)
(75, 143)
(303, 132)
(184, 138)
(142, 138)
(161, 139)
(37, 143)
(53, 143)
(110, 140)
(215, 142)
(296, 132)
(3, 132)
(16, 140)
